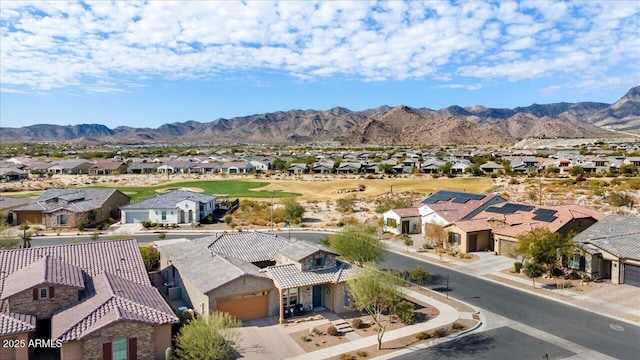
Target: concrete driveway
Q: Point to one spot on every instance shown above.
(265, 339)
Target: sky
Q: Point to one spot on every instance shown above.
(144, 64)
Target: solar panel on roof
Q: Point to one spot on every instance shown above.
(509, 208)
(546, 215)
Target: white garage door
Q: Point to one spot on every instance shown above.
(136, 216)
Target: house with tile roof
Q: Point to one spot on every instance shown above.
(66, 208)
(611, 250)
(90, 300)
(444, 207)
(402, 221)
(107, 167)
(497, 227)
(72, 167)
(173, 207)
(252, 275)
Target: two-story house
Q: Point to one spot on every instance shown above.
(88, 301)
(254, 275)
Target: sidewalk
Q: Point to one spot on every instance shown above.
(618, 301)
(447, 316)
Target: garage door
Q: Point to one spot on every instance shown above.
(246, 307)
(632, 275)
(506, 247)
(136, 216)
(29, 217)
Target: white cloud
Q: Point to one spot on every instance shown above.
(112, 46)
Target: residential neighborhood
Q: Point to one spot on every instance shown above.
(221, 250)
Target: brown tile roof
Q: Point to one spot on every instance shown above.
(111, 298)
(458, 205)
(45, 270)
(121, 257)
(525, 218)
(13, 323)
(407, 212)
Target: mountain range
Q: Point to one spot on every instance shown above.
(384, 125)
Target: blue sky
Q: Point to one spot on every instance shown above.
(144, 64)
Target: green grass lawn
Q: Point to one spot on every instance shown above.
(232, 187)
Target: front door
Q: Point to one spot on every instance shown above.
(405, 227)
(317, 296)
(473, 242)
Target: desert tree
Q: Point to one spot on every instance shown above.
(419, 274)
(208, 338)
(293, 211)
(542, 246)
(407, 241)
(26, 234)
(436, 235)
(358, 244)
(532, 270)
(376, 293)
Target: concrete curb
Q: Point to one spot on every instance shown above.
(519, 288)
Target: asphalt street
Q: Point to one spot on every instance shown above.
(592, 331)
(585, 328)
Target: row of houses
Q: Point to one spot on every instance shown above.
(488, 222)
(406, 162)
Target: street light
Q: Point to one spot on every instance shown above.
(273, 192)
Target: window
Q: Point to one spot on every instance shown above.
(164, 216)
(455, 238)
(577, 262)
(318, 262)
(63, 219)
(290, 297)
(347, 298)
(119, 349)
(392, 222)
(44, 293)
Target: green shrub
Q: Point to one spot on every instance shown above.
(356, 323)
(457, 326)
(346, 356)
(441, 332)
(586, 278)
(146, 224)
(406, 312)
(517, 266)
(423, 335)
(333, 331)
(362, 354)
(574, 276)
(150, 257)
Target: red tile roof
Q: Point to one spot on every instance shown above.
(45, 270)
(111, 298)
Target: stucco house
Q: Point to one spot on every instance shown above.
(107, 167)
(90, 301)
(252, 275)
(611, 250)
(497, 227)
(66, 208)
(445, 207)
(75, 167)
(173, 207)
(402, 221)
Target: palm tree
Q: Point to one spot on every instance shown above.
(26, 236)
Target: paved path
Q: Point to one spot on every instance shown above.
(447, 315)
